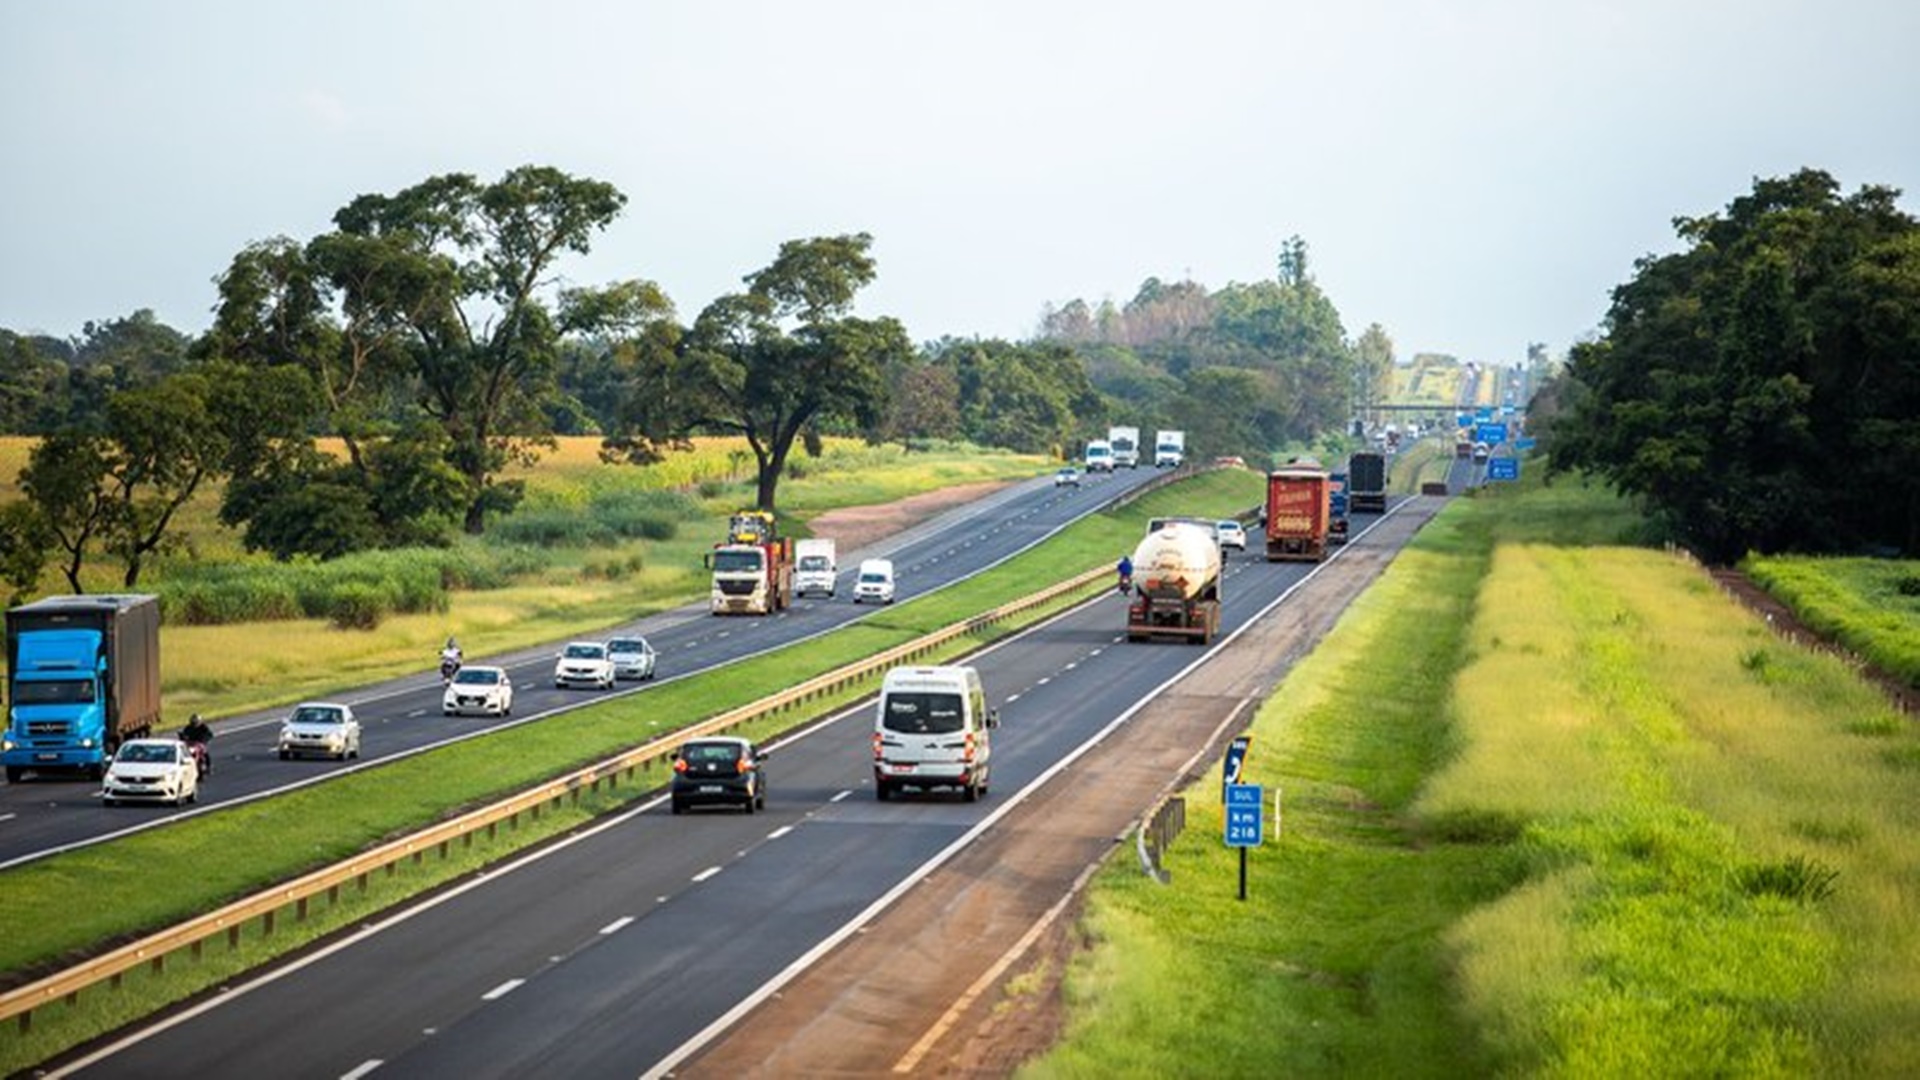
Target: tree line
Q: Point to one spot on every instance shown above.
(1759, 390)
(421, 332)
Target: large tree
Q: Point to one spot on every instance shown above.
(1761, 388)
(770, 363)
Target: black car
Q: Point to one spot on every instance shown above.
(720, 770)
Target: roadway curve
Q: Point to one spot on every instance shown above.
(619, 949)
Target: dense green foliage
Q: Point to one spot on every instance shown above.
(1872, 606)
(1761, 388)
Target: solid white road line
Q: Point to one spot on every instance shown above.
(503, 990)
(705, 874)
(779, 832)
(362, 1069)
(617, 925)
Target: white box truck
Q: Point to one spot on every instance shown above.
(815, 566)
(1169, 449)
(1126, 447)
(1099, 456)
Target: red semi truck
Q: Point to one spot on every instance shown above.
(1297, 513)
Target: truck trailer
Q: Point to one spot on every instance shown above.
(816, 566)
(1176, 585)
(1367, 482)
(83, 675)
(1297, 514)
(1169, 449)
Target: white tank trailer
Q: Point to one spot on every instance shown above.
(1176, 585)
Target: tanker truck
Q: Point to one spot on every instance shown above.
(1176, 585)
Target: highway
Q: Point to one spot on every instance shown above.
(40, 816)
(609, 953)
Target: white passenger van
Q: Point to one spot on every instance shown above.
(875, 582)
(933, 729)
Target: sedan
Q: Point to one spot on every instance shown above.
(1232, 534)
(1067, 477)
(632, 658)
(584, 663)
(320, 727)
(152, 770)
(479, 689)
(719, 770)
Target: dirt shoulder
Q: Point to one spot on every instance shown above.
(900, 998)
(857, 527)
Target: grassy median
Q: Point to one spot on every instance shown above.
(1550, 808)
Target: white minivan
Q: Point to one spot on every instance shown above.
(933, 729)
(875, 582)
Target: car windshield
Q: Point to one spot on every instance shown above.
(585, 652)
(148, 753)
(717, 752)
(53, 692)
(318, 715)
(477, 677)
(813, 562)
(924, 713)
(872, 577)
(1228, 526)
(627, 645)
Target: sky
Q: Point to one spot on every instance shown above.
(1473, 176)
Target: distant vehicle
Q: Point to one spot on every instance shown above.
(1126, 446)
(1169, 449)
(1232, 534)
(151, 770)
(1367, 483)
(932, 729)
(583, 663)
(1337, 508)
(1298, 509)
(632, 658)
(324, 728)
(719, 770)
(875, 582)
(1068, 476)
(752, 569)
(479, 689)
(816, 563)
(83, 674)
(1099, 456)
(1230, 461)
(1480, 453)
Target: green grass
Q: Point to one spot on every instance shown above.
(1552, 808)
(1872, 606)
(78, 900)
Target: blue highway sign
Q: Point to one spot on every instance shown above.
(1243, 815)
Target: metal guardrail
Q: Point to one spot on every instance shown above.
(1167, 822)
(153, 950)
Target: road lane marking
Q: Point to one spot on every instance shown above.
(1044, 680)
(1011, 698)
(779, 832)
(705, 874)
(616, 925)
(362, 1069)
(840, 796)
(503, 990)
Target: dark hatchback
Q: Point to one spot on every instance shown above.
(719, 771)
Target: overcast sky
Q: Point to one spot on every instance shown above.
(1472, 176)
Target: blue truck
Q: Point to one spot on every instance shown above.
(1337, 508)
(83, 674)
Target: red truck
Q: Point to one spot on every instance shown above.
(1297, 513)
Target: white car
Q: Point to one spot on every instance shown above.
(1067, 476)
(632, 658)
(584, 663)
(151, 770)
(478, 689)
(320, 727)
(1232, 534)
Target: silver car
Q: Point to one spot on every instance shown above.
(632, 658)
(323, 728)
(1231, 533)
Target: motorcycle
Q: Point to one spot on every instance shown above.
(202, 757)
(449, 667)
(1126, 586)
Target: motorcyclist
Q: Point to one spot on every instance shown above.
(198, 735)
(1126, 573)
(450, 659)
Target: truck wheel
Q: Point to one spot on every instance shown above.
(14, 773)
(97, 771)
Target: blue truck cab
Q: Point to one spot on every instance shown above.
(1337, 508)
(83, 675)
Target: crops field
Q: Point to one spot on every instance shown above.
(1592, 820)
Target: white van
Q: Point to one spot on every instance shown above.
(932, 729)
(814, 566)
(875, 582)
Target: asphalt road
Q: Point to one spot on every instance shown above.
(40, 816)
(605, 954)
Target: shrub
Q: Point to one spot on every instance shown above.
(357, 606)
(1799, 879)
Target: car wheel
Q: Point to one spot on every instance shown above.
(970, 793)
(105, 801)
(285, 756)
(760, 798)
(679, 807)
(447, 712)
(882, 791)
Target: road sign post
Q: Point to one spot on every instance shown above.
(1243, 824)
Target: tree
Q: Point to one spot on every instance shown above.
(1372, 367)
(65, 479)
(1033, 398)
(923, 403)
(769, 363)
(164, 446)
(1761, 389)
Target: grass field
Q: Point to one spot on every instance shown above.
(1551, 808)
(577, 581)
(75, 901)
(1871, 606)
